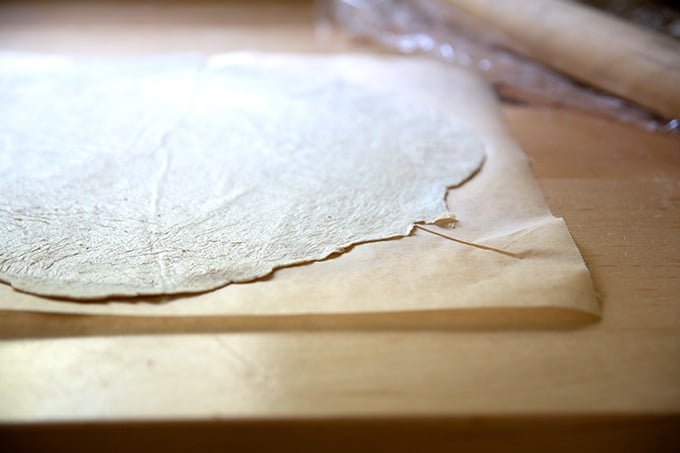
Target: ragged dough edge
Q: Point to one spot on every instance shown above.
(74, 291)
(68, 290)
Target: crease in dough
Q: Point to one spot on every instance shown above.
(131, 178)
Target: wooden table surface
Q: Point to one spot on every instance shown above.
(613, 384)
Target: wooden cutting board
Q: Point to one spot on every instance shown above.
(611, 383)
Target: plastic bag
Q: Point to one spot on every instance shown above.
(433, 28)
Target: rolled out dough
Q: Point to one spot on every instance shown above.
(122, 178)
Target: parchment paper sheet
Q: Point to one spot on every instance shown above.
(501, 207)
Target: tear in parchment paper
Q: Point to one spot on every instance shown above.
(501, 209)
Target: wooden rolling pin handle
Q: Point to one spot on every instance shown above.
(591, 46)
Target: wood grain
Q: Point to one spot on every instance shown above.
(618, 189)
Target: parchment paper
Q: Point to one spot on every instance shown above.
(501, 208)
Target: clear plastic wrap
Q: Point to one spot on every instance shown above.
(440, 30)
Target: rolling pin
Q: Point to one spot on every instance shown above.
(591, 46)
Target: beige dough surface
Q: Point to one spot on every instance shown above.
(501, 208)
(164, 176)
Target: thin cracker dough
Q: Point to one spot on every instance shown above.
(129, 178)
